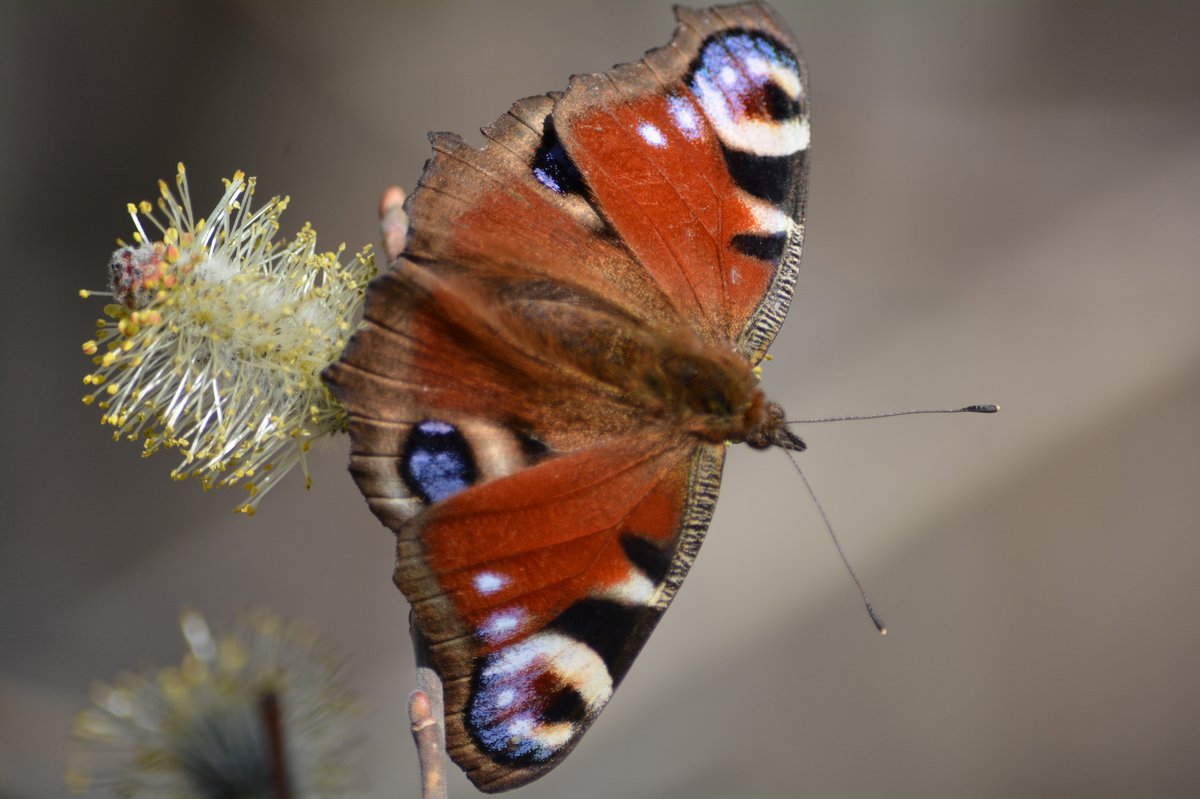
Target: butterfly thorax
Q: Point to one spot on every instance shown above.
(705, 390)
(695, 387)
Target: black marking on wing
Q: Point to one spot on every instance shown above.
(766, 246)
(566, 704)
(551, 165)
(649, 558)
(533, 448)
(603, 625)
(780, 106)
(764, 176)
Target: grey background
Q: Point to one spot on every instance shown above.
(1005, 206)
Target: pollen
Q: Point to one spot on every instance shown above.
(216, 334)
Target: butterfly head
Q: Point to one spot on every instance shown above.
(772, 431)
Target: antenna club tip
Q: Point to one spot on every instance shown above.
(883, 632)
(989, 408)
(876, 619)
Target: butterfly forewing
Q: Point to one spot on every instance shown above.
(526, 387)
(698, 157)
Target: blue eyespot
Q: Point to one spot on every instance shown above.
(741, 63)
(437, 462)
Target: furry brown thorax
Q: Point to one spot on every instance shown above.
(697, 387)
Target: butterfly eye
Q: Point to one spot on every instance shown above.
(437, 461)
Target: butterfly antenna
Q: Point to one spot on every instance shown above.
(889, 414)
(874, 614)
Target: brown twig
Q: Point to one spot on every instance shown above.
(427, 716)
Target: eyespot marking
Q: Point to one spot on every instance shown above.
(528, 699)
(567, 705)
(749, 87)
(551, 165)
(437, 461)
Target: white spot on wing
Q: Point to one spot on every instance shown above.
(489, 582)
(636, 589)
(554, 736)
(502, 623)
(789, 81)
(582, 667)
(769, 218)
(652, 135)
(516, 658)
(803, 133)
(684, 115)
(521, 727)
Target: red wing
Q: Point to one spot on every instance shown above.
(672, 187)
(447, 386)
(697, 156)
(486, 213)
(537, 590)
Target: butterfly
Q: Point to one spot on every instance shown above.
(545, 381)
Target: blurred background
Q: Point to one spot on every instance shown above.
(1005, 207)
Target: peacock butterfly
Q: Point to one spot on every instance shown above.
(544, 382)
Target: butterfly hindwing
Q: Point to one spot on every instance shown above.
(545, 585)
(542, 383)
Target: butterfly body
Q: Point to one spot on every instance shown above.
(545, 381)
